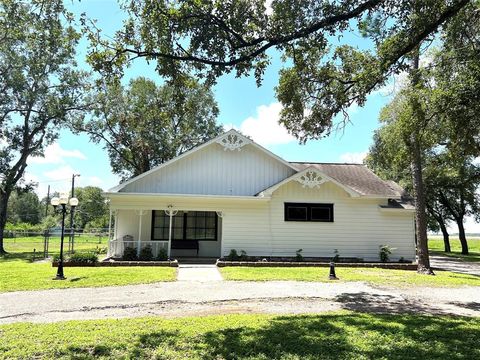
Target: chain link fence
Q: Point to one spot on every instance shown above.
(44, 244)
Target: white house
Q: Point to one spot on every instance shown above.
(231, 193)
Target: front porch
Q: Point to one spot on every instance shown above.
(168, 232)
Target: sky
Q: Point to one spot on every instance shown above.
(252, 110)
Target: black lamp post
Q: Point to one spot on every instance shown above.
(62, 202)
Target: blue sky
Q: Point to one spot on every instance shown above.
(251, 109)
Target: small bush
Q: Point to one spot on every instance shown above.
(384, 253)
(336, 256)
(130, 254)
(162, 255)
(146, 254)
(87, 258)
(233, 255)
(100, 250)
(243, 255)
(298, 255)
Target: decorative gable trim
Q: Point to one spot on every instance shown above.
(311, 178)
(233, 141)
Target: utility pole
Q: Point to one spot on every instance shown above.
(72, 233)
(48, 201)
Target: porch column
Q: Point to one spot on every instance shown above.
(110, 225)
(170, 212)
(139, 242)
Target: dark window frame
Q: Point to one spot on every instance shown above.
(309, 207)
(184, 227)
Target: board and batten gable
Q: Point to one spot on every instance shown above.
(212, 170)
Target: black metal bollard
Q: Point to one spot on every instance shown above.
(332, 275)
(34, 253)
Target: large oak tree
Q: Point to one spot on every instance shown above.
(40, 90)
(324, 77)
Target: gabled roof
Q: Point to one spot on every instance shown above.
(218, 139)
(356, 177)
(303, 175)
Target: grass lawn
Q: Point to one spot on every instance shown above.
(401, 278)
(18, 274)
(340, 335)
(24, 246)
(435, 245)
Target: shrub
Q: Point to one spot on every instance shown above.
(146, 254)
(336, 256)
(243, 255)
(87, 258)
(162, 255)
(100, 250)
(130, 254)
(298, 255)
(233, 255)
(384, 253)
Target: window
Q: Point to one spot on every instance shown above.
(308, 212)
(191, 225)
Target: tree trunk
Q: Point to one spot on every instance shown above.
(3, 219)
(420, 215)
(461, 236)
(446, 237)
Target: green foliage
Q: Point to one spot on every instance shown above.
(130, 254)
(146, 254)
(144, 125)
(91, 209)
(24, 207)
(162, 255)
(80, 257)
(384, 253)
(40, 90)
(324, 76)
(337, 335)
(234, 256)
(336, 256)
(298, 255)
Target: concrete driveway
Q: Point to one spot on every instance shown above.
(195, 298)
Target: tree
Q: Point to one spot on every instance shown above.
(325, 77)
(40, 90)
(91, 207)
(145, 125)
(24, 207)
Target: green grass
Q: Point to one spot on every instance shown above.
(399, 278)
(341, 335)
(436, 246)
(23, 247)
(18, 274)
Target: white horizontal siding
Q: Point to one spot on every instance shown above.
(214, 171)
(258, 227)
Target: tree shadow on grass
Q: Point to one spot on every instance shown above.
(326, 336)
(385, 304)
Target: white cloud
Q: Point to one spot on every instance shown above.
(55, 154)
(353, 157)
(264, 127)
(62, 173)
(92, 181)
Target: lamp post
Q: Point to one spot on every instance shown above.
(62, 202)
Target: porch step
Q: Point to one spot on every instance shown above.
(196, 260)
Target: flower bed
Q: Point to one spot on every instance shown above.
(173, 263)
(397, 266)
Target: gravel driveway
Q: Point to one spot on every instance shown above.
(193, 298)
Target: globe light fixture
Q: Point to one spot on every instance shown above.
(63, 200)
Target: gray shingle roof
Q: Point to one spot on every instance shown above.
(357, 177)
